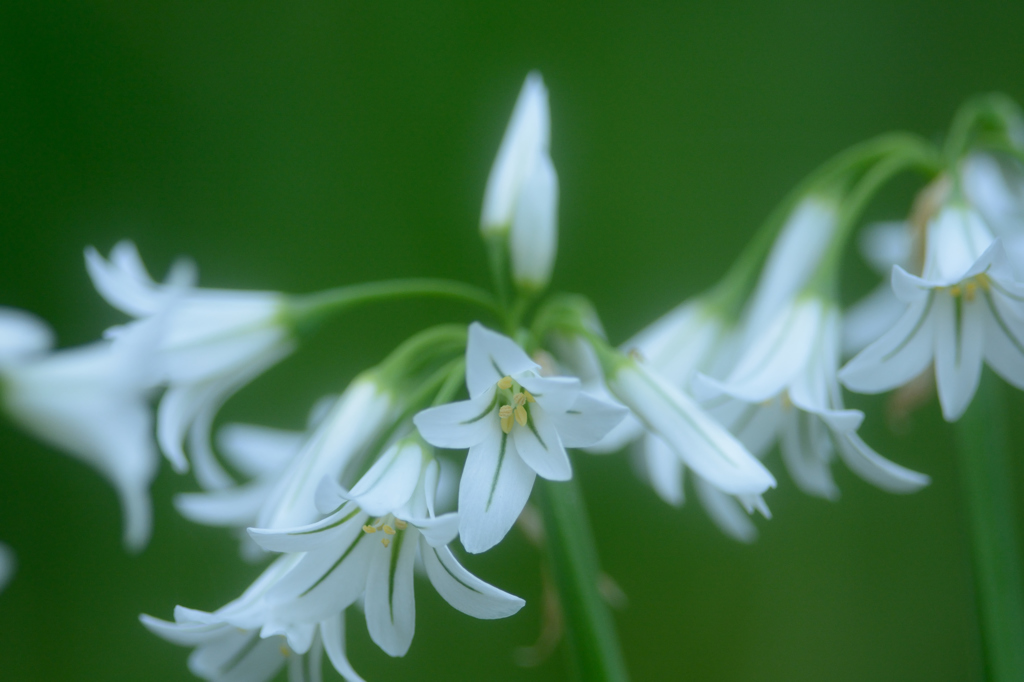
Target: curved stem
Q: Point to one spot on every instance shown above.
(307, 310)
(984, 469)
(595, 653)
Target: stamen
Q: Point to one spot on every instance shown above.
(369, 529)
(505, 383)
(984, 281)
(954, 290)
(970, 289)
(529, 396)
(385, 541)
(400, 524)
(519, 399)
(521, 415)
(388, 530)
(505, 412)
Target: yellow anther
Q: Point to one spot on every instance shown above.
(519, 399)
(521, 415)
(529, 397)
(400, 524)
(385, 541)
(505, 412)
(285, 651)
(388, 530)
(954, 290)
(970, 289)
(505, 383)
(369, 529)
(984, 281)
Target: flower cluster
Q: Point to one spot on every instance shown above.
(349, 509)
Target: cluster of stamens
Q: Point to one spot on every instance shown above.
(382, 524)
(969, 289)
(516, 410)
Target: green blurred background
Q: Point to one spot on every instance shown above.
(297, 146)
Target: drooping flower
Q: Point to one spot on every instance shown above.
(791, 372)
(516, 425)
(90, 402)
(368, 546)
(995, 187)
(521, 198)
(212, 342)
(966, 307)
(234, 643)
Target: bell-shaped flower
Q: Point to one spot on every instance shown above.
(965, 308)
(687, 432)
(212, 342)
(521, 197)
(791, 370)
(8, 564)
(234, 644)
(368, 546)
(516, 425)
(90, 402)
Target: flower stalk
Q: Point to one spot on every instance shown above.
(988, 503)
(594, 651)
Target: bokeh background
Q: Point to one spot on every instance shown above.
(298, 146)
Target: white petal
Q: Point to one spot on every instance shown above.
(459, 425)
(256, 450)
(324, 582)
(231, 508)
(539, 446)
(463, 590)
(332, 631)
(959, 329)
(495, 486)
(123, 281)
(390, 603)
(627, 431)
(437, 531)
(22, 334)
(391, 480)
(900, 355)
(774, 359)
(525, 139)
(726, 512)
(191, 633)
(533, 240)
(340, 528)
(807, 452)
(701, 442)
(555, 394)
(1004, 343)
(886, 244)
(957, 237)
(491, 356)
(246, 661)
(664, 469)
(876, 469)
(869, 318)
(909, 288)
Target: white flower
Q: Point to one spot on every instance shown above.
(696, 440)
(996, 190)
(8, 564)
(965, 307)
(369, 545)
(522, 189)
(90, 402)
(516, 426)
(790, 374)
(212, 342)
(233, 644)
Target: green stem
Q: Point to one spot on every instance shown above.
(497, 256)
(307, 310)
(984, 469)
(594, 648)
